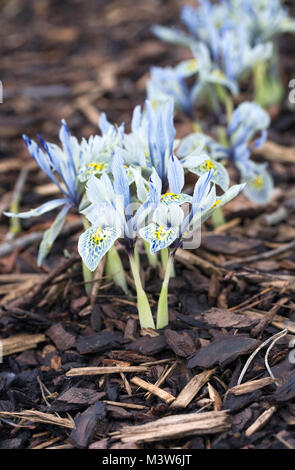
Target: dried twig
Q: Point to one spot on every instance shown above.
(165, 396)
(39, 417)
(260, 421)
(251, 386)
(104, 370)
(21, 342)
(192, 388)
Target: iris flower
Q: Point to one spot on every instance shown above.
(62, 166)
(246, 131)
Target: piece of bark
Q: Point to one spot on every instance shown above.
(96, 318)
(117, 412)
(130, 329)
(62, 339)
(241, 419)
(228, 245)
(27, 358)
(224, 318)
(223, 351)
(192, 388)
(285, 392)
(80, 396)
(239, 402)
(181, 343)
(148, 344)
(99, 342)
(85, 424)
(177, 426)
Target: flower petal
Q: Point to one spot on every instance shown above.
(95, 242)
(159, 236)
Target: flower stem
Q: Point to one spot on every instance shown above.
(152, 257)
(268, 89)
(114, 269)
(218, 217)
(164, 261)
(144, 310)
(162, 312)
(225, 98)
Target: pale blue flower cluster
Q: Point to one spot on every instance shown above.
(227, 41)
(246, 131)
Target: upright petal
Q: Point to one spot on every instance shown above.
(175, 175)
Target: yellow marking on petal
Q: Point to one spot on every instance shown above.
(218, 73)
(191, 66)
(215, 204)
(257, 182)
(155, 104)
(100, 166)
(173, 195)
(96, 238)
(207, 165)
(159, 232)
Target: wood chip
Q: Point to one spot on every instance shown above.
(166, 372)
(131, 406)
(104, 370)
(21, 342)
(62, 339)
(278, 321)
(39, 417)
(260, 421)
(250, 386)
(47, 443)
(177, 426)
(85, 424)
(192, 388)
(215, 397)
(165, 396)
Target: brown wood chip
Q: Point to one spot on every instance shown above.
(250, 386)
(21, 342)
(176, 426)
(165, 396)
(104, 370)
(192, 388)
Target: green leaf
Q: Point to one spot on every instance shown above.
(51, 234)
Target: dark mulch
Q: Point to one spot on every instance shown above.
(70, 59)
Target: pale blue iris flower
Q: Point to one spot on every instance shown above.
(247, 130)
(169, 82)
(171, 226)
(265, 19)
(62, 166)
(221, 43)
(98, 150)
